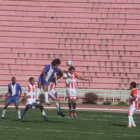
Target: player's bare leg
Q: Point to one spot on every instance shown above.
(131, 121)
(43, 112)
(74, 108)
(4, 110)
(70, 107)
(57, 104)
(25, 111)
(46, 95)
(18, 110)
(29, 107)
(60, 113)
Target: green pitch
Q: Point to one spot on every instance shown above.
(89, 126)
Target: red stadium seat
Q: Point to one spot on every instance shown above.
(100, 37)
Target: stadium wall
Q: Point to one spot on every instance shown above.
(100, 37)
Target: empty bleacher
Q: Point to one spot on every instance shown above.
(101, 37)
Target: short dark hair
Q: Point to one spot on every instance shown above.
(71, 68)
(60, 74)
(56, 62)
(133, 84)
(13, 78)
(30, 79)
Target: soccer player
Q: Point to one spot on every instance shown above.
(14, 92)
(53, 93)
(30, 95)
(133, 100)
(45, 77)
(70, 78)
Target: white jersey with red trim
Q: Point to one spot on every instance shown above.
(134, 93)
(53, 83)
(51, 88)
(30, 91)
(70, 80)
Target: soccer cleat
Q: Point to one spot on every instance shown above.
(71, 114)
(45, 118)
(2, 117)
(75, 116)
(128, 126)
(20, 120)
(134, 125)
(61, 114)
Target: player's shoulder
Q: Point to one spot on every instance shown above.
(47, 66)
(58, 70)
(134, 90)
(75, 74)
(18, 84)
(9, 84)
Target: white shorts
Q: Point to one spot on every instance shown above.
(71, 93)
(30, 101)
(53, 95)
(131, 110)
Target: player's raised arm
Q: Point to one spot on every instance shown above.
(81, 78)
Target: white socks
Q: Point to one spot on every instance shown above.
(57, 106)
(37, 93)
(3, 113)
(131, 121)
(19, 115)
(43, 113)
(46, 97)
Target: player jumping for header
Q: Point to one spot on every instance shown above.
(133, 99)
(14, 92)
(45, 77)
(70, 78)
(53, 93)
(30, 95)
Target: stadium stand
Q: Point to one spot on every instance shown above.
(101, 37)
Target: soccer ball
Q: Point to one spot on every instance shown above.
(69, 63)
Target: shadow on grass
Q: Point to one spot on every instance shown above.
(119, 125)
(40, 121)
(5, 118)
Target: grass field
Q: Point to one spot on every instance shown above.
(89, 126)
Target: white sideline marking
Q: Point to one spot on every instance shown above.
(64, 131)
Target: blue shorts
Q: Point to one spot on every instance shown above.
(42, 81)
(12, 99)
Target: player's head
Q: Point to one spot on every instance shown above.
(59, 75)
(71, 69)
(133, 85)
(13, 80)
(55, 63)
(32, 80)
